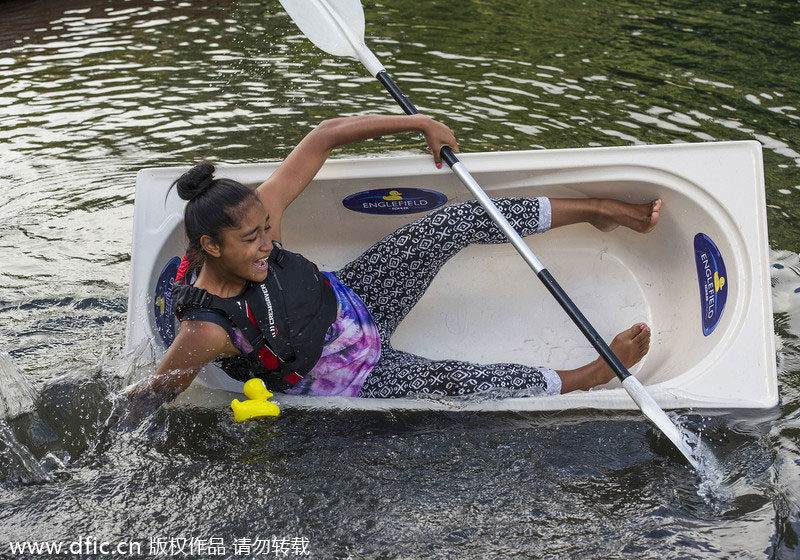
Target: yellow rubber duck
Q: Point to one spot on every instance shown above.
(257, 406)
(161, 303)
(393, 195)
(719, 282)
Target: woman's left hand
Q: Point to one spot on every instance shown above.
(438, 135)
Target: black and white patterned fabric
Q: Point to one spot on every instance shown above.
(392, 275)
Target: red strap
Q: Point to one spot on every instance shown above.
(292, 378)
(182, 269)
(265, 355)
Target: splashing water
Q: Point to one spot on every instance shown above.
(711, 484)
(17, 396)
(17, 460)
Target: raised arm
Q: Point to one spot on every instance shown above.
(303, 163)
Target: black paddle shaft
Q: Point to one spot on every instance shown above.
(544, 275)
(447, 154)
(583, 324)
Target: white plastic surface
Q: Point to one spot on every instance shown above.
(487, 306)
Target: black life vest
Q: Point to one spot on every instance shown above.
(294, 307)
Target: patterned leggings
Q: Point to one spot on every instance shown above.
(391, 276)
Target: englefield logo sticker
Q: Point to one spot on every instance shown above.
(394, 201)
(162, 303)
(713, 281)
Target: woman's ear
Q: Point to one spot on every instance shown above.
(210, 246)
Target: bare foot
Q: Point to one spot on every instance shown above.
(614, 213)
(629, 346)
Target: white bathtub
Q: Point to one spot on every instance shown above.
(487, 306)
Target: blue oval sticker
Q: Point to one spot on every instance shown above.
(713, 281)
(162, 303)
(394, 201)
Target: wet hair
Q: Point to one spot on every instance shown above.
(213, 205)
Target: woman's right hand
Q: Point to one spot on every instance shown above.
(196, 344)
(439, 135)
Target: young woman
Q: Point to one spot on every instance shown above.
(266, 312)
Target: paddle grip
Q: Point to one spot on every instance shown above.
(580, 321)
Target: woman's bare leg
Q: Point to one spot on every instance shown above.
(630, 346)
(605, 214)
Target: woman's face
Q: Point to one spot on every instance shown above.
(244, 249)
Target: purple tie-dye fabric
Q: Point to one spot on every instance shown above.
(352, 348)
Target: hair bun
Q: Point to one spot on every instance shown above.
(195, 181)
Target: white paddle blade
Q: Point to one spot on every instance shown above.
(335, 26)
(318, 21)
(657, 416)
